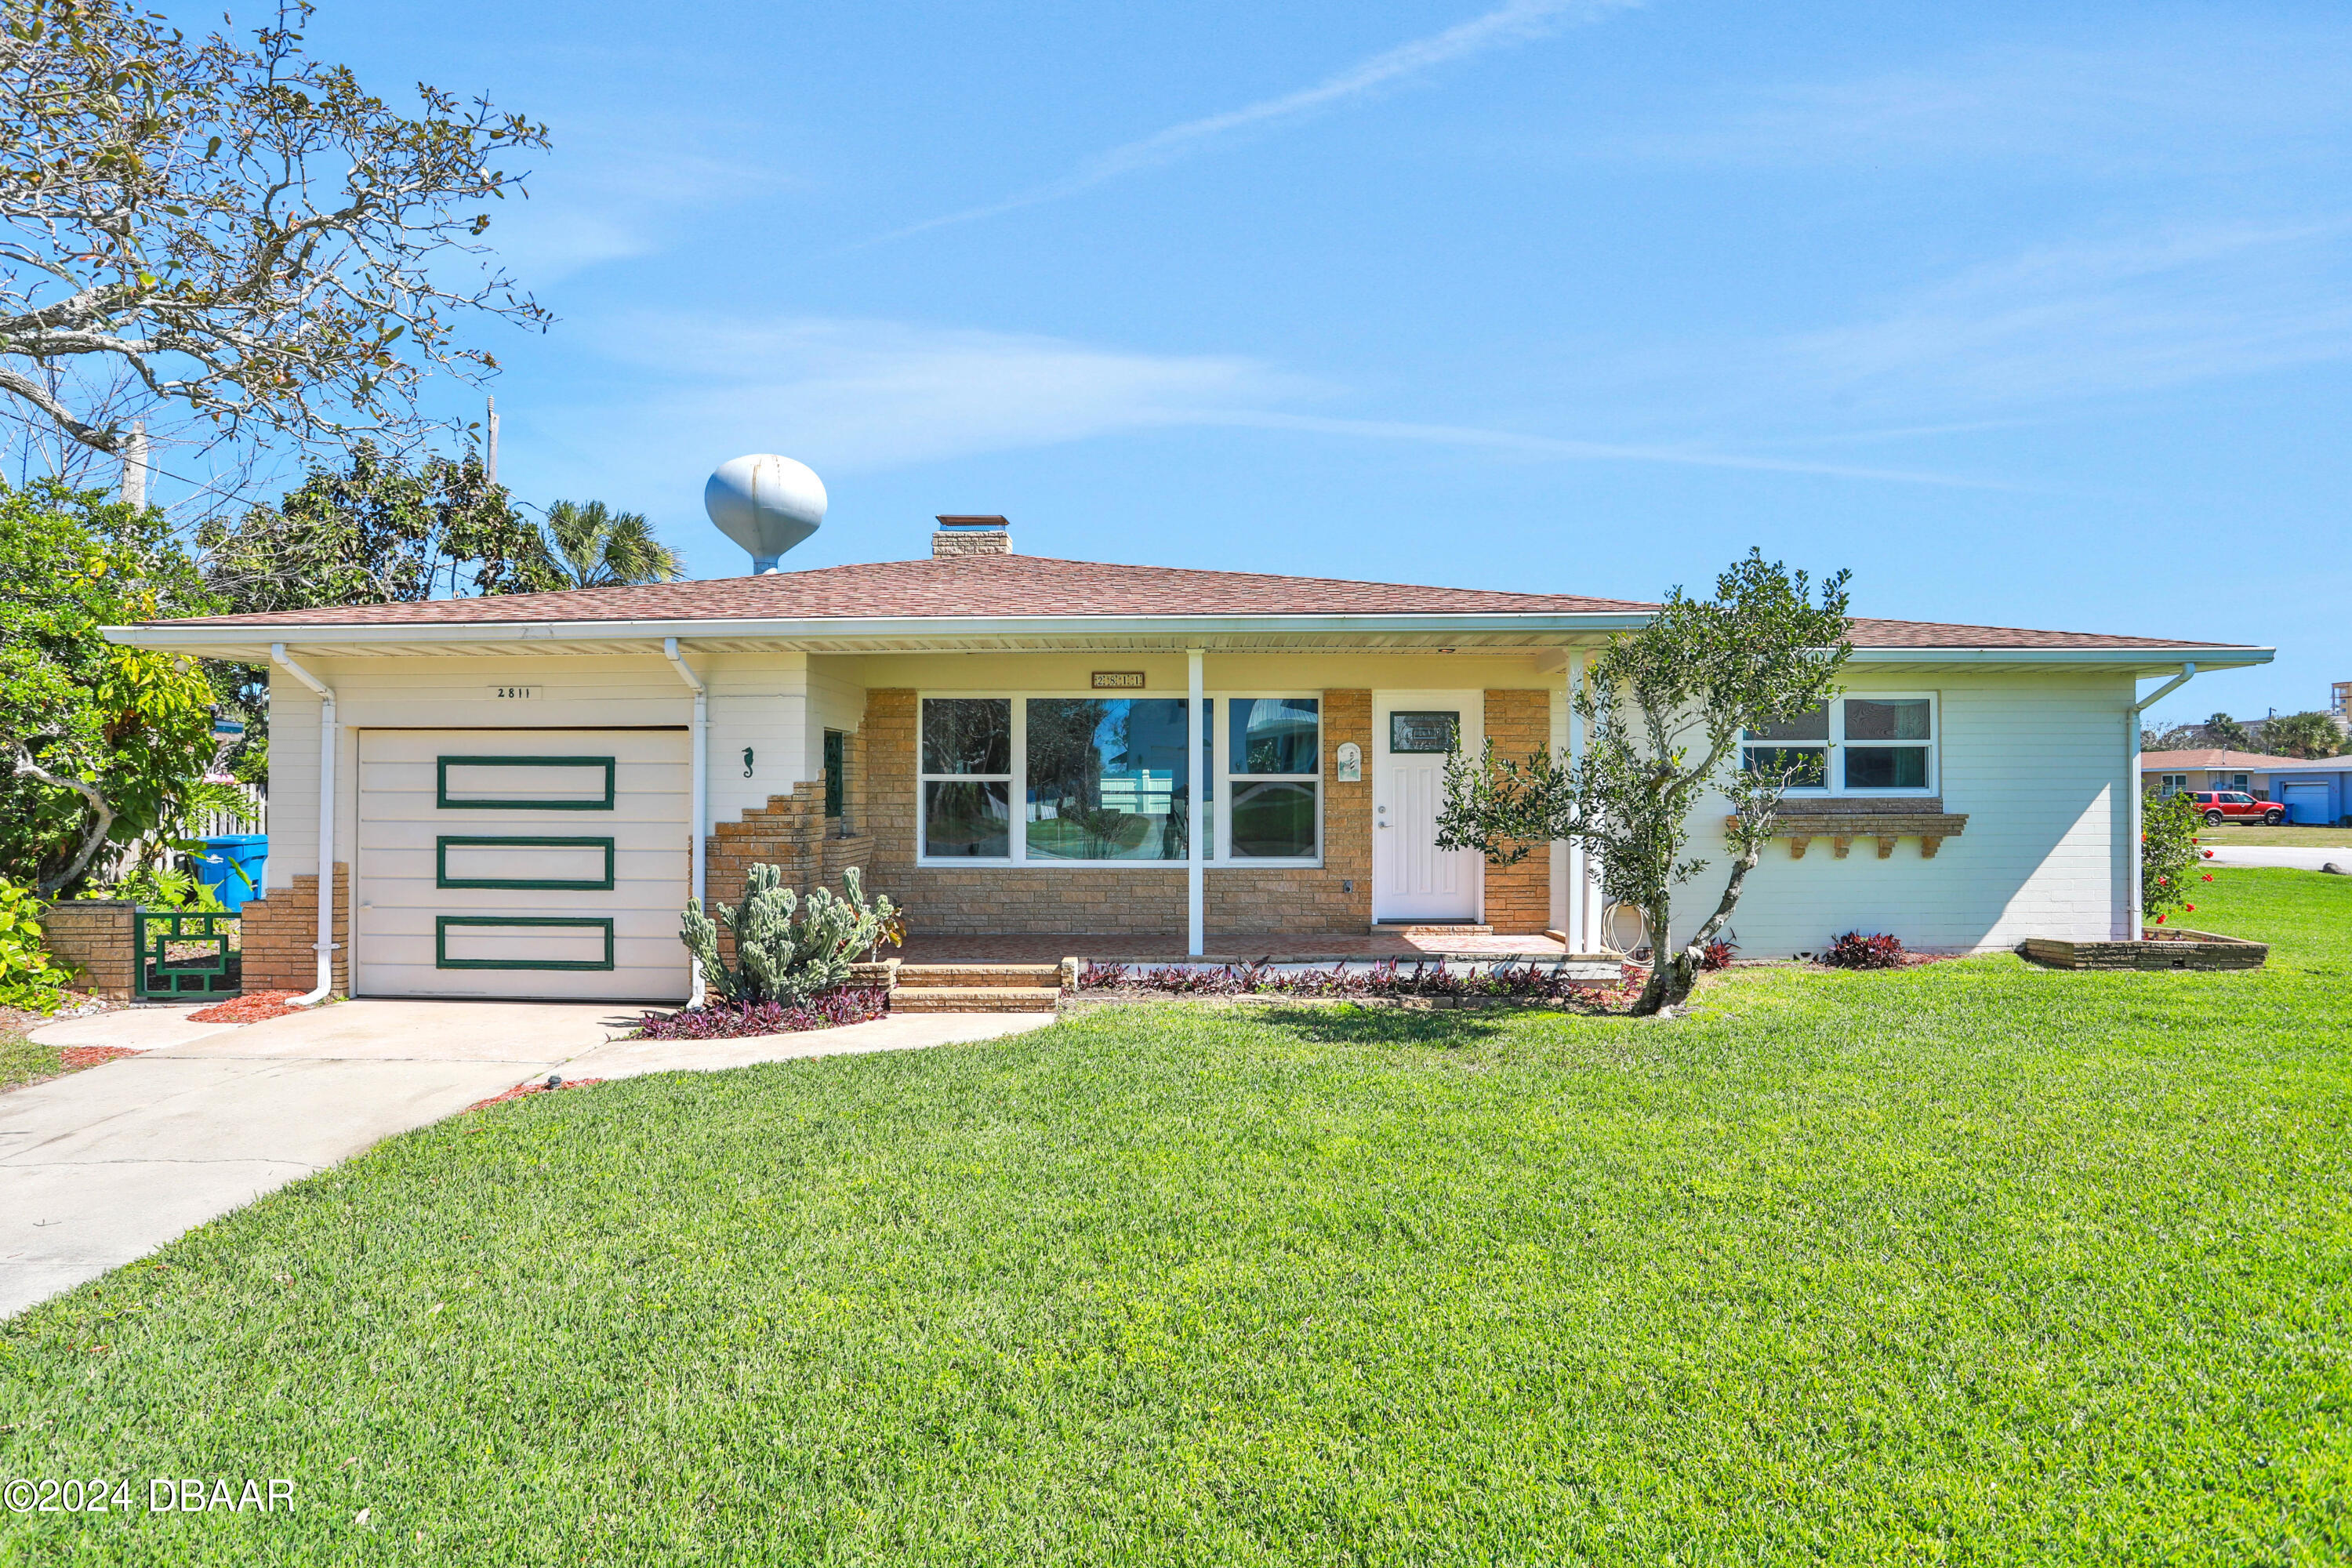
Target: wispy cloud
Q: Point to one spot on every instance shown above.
(852, 397)
(1508, 26)
(2098, 319)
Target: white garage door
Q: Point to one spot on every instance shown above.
(523, 863)
(2305, 802)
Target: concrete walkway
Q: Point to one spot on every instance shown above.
(2227, 854)
(103, 1166)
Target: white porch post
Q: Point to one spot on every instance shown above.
(1195, 839)
(1580, 913)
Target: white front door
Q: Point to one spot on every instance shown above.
(522, 863)
(1413, 878)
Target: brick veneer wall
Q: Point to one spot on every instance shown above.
(1518, 898)
(93, 937)
(1139, 900)
(280, 933)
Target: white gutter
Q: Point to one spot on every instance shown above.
(1196, 840)
(699, 750)
(2136, 826)
(329, 738)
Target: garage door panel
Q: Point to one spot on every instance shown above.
(547, 819)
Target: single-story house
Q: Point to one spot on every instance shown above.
(515, 796)
(2313, 790)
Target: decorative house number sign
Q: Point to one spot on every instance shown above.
(1349, 759)
(1119, 681)
(1426, 731)
(510, 693)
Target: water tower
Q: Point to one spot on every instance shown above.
(766, 504)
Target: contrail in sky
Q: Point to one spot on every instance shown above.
(1508, 26)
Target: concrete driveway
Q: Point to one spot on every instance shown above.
(104, 1166)
(2228, 854)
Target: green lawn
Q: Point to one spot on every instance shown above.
(1973, 1263)
(2299, 835)
(22, 1061)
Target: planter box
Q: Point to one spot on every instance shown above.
(2160, 947)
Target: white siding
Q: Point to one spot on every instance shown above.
(2035, 759)
(758, 700)
(293, 780)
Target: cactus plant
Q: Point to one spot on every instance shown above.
(787, 948)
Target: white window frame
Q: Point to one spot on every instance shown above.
(1228, 780)
(2170, 785)
(1017, 784)
(1833, 749)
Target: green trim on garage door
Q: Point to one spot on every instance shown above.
(441, 959)
(441, 877)
(441, 783)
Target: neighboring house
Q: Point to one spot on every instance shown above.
(523, 791)
(2315, 791)
(2211, 768)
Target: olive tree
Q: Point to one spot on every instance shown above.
(1666, 710)
(246, 232)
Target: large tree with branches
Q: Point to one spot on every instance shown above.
(1668, 710)
(246, 232)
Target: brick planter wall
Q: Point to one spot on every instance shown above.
(279, 933)
(2183, 950)
(1518, 898)
(93, 938)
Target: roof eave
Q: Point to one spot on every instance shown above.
(183, 636)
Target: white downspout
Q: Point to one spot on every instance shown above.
(2132, 825)
(330, 743)
(698, 748)
(1196, 841)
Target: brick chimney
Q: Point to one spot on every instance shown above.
(971, 536)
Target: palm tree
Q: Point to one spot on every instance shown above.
(586, 546)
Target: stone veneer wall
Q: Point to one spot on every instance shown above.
(1518, 898)
(1139, 900)
(280, 933)
(92, 938)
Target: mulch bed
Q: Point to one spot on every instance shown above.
(76, 1058)
(250, 1009)
(537, 1086)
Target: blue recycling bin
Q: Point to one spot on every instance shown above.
(232, 866)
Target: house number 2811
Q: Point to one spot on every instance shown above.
(509, 693)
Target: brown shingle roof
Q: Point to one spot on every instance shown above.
(1036, 585)
(2239, 761)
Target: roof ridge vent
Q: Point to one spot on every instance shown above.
(961, 534)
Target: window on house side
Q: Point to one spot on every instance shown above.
(1853, 745)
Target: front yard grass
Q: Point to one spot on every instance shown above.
(2296, 834)
(1969, 1263)
(22, 1061)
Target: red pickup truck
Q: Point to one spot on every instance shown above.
(2221, 805)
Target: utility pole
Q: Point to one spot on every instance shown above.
(490, 443)
(134, 467)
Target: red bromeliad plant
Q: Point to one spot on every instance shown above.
(1856, 951)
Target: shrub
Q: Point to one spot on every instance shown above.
(2167, 850)
(739, 1020)
(29, 979)
(788, 949)
(1855, 951)
(1718, 954)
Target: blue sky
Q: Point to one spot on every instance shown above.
(2031, 314)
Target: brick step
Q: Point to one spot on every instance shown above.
(926, 977)
(974, 999)
(1416, 929)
